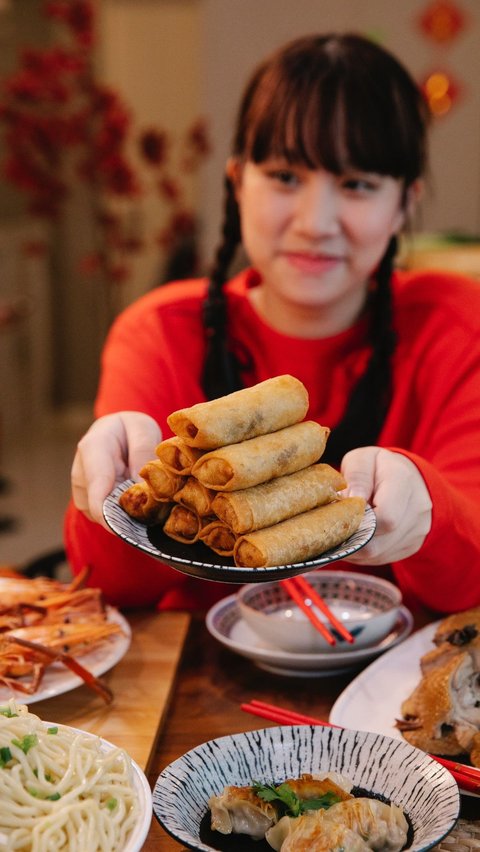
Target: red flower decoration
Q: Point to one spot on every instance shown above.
(153, 146)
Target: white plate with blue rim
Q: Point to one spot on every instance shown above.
(197, 560)
(225, 623)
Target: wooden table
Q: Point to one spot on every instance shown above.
(211, 684)
(177, 687)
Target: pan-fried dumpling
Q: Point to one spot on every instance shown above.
(312, 831)
(238, 810)
(382, 826)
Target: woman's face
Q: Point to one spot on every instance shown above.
(314, 237)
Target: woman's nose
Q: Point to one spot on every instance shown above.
(317, 212)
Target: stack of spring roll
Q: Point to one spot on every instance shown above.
(242, 475)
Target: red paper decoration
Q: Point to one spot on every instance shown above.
(442, 21)
(441, 91)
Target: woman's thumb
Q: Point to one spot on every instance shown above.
(358, 469)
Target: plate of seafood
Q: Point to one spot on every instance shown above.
(64, 787)
(54, 637)
(430, 688)
(225, 623)
(238, 493)
(306, 787)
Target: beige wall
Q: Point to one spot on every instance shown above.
(149, 50)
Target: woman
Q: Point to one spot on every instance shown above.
(327, 161)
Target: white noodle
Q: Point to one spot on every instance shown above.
(94, 805)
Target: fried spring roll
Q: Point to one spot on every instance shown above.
(176, 456)
(271, 502)
(301, 537)
(163, 483)
(138, 502)
(183, 525)
(196, 496)
(261, 459)
(218, 537)
(265, 407)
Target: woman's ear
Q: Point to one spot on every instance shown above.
(413, 196)
(411, 199)
(233, 171)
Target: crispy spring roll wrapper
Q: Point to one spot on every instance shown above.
(138, 502)
(163, 483)
(265, 407)
(301, 537)
(261, 459)
(196, 496)
(271, 502)
(218, 537)
(183, 525)
(176, 456)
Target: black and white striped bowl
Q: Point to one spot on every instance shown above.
(197, 560)
(388, 767)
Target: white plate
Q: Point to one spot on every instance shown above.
(144, 798)
(408, 777)
(224, 623)
(140, 829)
(59, 679)
(373, 700)
(196, 559)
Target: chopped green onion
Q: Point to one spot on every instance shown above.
(5, 756)
(52, 730)
(5, 711)
(111, 804)
(28, 741)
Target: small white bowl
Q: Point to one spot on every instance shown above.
(426, 792)
(366, 605)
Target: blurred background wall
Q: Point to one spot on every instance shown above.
(173, 62)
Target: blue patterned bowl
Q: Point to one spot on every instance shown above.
(366, 605)
(425, 791)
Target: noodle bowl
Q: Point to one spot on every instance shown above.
(62, 789)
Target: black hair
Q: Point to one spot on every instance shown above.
(336, 102)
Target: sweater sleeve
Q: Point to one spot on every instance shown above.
(151, 359)
(445, 574)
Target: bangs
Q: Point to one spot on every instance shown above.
(317, 111)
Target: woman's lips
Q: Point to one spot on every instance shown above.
(312, 263)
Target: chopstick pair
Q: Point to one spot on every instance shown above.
(467, 777)
(300, 591)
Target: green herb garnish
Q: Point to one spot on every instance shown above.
(5, 711)
(52, 730)
(290, 803)
(38, 795)
(111, 804)
(5, 756)
(26, 743)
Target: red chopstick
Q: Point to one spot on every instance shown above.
(299, 598)
(306, 587)
(300, 590)
(467, 777)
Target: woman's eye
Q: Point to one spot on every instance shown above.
(284, 177)
(359, 184)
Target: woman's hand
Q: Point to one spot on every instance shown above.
(115, 448)
(394, 487)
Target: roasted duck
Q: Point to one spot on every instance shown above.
(442, 715)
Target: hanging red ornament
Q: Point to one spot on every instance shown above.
(441, 91)
(442, 21)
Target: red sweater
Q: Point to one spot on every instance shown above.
(152, 362)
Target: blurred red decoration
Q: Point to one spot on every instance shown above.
(60, 125)
(442, 21)
(441, 91)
